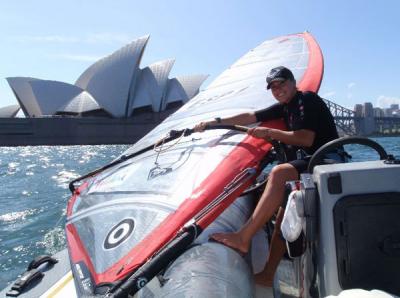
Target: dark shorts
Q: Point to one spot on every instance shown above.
(300, 164)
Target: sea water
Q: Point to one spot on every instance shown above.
(34, 194)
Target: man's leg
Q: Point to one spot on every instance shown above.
(269, 202)
(276, 251)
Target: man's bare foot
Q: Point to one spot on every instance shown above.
(232, 240)
(264, 280)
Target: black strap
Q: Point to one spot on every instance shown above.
(35, 263)
(21, 283)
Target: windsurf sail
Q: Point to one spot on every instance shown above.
(127, 221)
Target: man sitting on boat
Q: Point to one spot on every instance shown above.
(310, 125)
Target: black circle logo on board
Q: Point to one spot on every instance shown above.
(119, 233)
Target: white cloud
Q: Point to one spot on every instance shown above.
(107, 37)
(385, 101)
(95, 38)
(84, 58)
(47, 39)
(351, 85)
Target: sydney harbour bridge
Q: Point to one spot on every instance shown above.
(350, 124)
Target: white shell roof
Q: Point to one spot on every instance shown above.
(9, 111)
(23, 92)
(151, 85)
(109, 79)
(50, 95)
(183, 88)
(81, 103)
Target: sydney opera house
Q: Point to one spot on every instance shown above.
(114, 91)
(9, 111)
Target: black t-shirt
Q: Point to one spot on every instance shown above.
(305, 111)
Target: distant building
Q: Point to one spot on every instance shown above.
(388, 112)
(358, 110)
(394, 107)
(368, 110)
(113, 87)
(378, 112)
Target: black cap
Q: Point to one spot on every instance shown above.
(279, 73)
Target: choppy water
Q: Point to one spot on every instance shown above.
(34, 193)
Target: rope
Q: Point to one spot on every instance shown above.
(158, 146)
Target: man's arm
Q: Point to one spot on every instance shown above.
(240, 119)
(301, 137)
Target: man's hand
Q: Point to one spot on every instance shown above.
(260, 132)
(200, 127)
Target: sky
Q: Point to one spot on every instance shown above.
(58, 40)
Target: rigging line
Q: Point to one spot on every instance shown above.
(237, 182)
(158, 147)
(162, 141)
